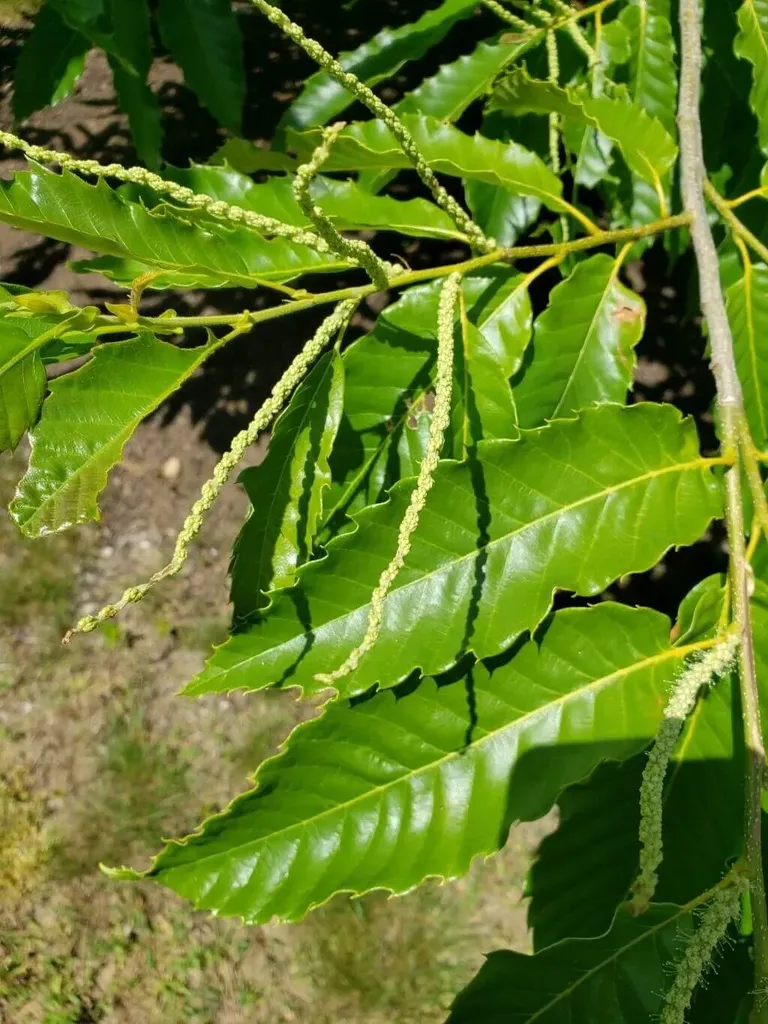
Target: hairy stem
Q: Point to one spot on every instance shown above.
(409, 277)
(730, 403)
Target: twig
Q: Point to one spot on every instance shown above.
(730, 403)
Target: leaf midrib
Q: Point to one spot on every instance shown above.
(595, 684)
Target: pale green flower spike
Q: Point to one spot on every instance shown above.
(281, 392)
(697, 959)
(350, 248)
(553, 67)
(575, 32)
(441, 417)
(321, 56)
(182, 194)
(505, 15)
(707, 668)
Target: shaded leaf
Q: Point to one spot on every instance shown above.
(583, 345)
(64, 206)
(395, 788)
(87, 420)
(482, 403)
(323, 98)
(286, 490)
(204, 39)
(369, 145)
(50, 63)
(645, 144)
(747, 306)
(618, 978)
(751, 43)
(652, 72)
(546, 524)
(388, 374)
(130, 19)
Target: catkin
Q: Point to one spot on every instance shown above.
(348, 248)
(182, 194)
(211, 489)
(697, 958)
(441, 417)
(321, 56)
(714, 663)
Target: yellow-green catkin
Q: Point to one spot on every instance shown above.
(441, 417)
(404, 138)
(574, 31)
(723, 909)
(511, 19)
(212, 488)
(196, 200)
(348, 248)
(704, 670)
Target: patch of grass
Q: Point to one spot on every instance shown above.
(23, 845)
(127, 809)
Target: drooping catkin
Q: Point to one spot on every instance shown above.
(404, 138)
(211, 489)
(441, 417)
(511, 19)
(697, 958)
(704, 670)
(196, 200)
(349, 248)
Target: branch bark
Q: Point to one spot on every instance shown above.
(731, 408)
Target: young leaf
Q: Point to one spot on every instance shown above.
(571, 506)
(388, 374)
(752, 44)
(323, 98)
(644, 142)
(390, 790)
(204, 39)
(22, 388)
(286, 491)
(85, 424)
(49, 64)
(747, 305)
(64, 206)
(618, 978)
(583, 345)
(130, 19)
(369, 145)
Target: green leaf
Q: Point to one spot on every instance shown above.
(583, 345)
(286, 491)
(652, 72)
(571, 506)
(22, 388)
(65, 207)
(384, 792)
(369, 145)
(752, 44)
(482, 403)
(645, 144)
(747, 306)
(323, 98)
(204, 39)
(131, 22)
(50, 63)
(388, 375)
(348, 205)
(618, 978)
(87, 420)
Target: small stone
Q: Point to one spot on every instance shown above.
(171, 467)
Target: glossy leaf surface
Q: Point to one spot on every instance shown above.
(85, 424)
(752, 44)
(390, 790)
(286, 490)
(499, 535)
(583, 345)
(747, 305)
